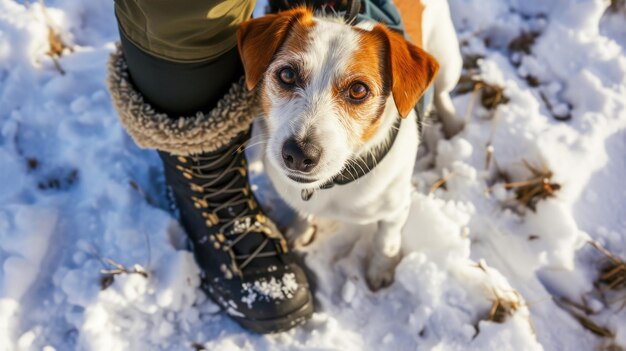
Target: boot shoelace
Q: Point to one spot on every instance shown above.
(241, 222)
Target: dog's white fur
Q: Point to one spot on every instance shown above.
(383, 195)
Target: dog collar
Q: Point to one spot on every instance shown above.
(362, 165)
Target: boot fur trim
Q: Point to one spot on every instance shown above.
(184, 135)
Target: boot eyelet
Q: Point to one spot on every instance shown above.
(216, 245)
(220, 237)
(260, 218)
(213, 218)
(245, 191)
(227, 273)
(251, 204)
(199, 203)
(242, 171)
(184, 170)
(196, 188)
(187, 175)
(182, 159)
(283, 246)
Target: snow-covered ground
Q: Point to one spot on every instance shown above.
(480, 272)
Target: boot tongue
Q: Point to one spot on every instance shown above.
(254, 238)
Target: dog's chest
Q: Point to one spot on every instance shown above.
(355, 202)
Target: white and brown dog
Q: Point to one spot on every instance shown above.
(339, 105)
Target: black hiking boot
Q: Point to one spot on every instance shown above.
(247, 268)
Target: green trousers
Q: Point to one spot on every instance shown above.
(182, 55)
(183, 31)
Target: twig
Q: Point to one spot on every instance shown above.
(440, 182)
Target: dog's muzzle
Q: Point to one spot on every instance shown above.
(301, 157)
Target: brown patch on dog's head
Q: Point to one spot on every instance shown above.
(411, 69)
(259, 39)
(387, 62)
(290, 53)
(369, 66)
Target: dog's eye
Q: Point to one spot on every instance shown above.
(287, 76)
(358, 91)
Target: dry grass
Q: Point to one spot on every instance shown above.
(491, 95)
(611, 278)
(470, 62)
(108, 275)
(532, 81)
(196, 346)
(32, 163)
(489, 152)
(503, 308)
(582, 314)
(529, 192)
(524, 42)
(557, 116)
(613, 272)
(441, 183)
(57, 182)
(57, 46)
(612, 347)
(142, 193)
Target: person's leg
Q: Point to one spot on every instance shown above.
(181, 89)
(177, 88)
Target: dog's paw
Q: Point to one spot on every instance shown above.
(301, 235)
(380, 271)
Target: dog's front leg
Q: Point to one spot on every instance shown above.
(386, 250)
(452, 124)
(301, 231)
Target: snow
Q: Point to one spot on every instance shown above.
(272, 290)
(78, 197)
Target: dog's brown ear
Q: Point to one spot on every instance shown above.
(259, 39)
(412, 69)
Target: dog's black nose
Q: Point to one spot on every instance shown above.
(301, 157)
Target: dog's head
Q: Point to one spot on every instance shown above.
(328, 89)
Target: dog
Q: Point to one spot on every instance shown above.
(338, 103)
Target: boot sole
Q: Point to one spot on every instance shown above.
(274, 325)
(280, 324)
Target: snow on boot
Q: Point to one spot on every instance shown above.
(247, 267)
